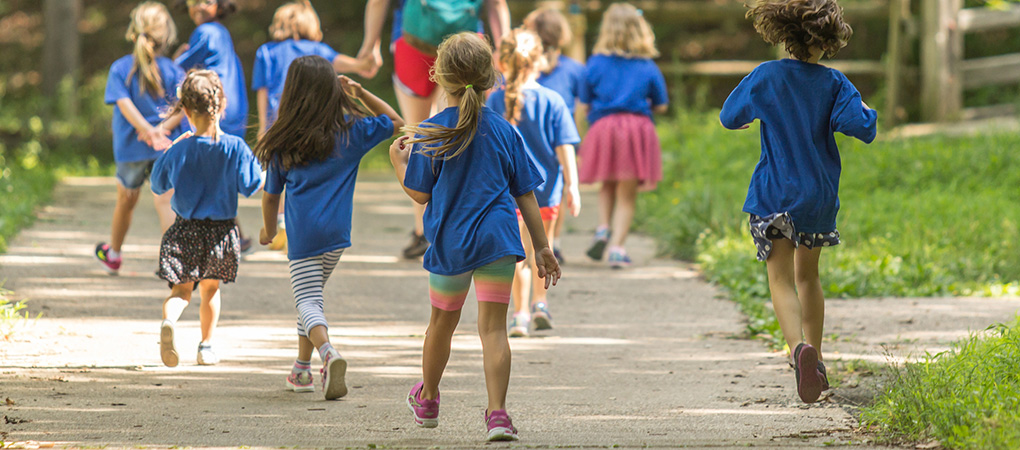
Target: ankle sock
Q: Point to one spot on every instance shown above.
(113, 254)
(556, 243)
(301, 366)
(325, 350)
(524, 315)
(280, 221)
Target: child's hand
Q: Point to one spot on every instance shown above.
(352, 87)
(157, 138)
(399, 151)
(265, 238)
(548, 268)
(572, 201)
(370, 60)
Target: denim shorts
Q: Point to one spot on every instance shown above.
(764, 230)
(132, 175)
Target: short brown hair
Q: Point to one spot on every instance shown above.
(554, 30)
(296, 20)
(802, 24)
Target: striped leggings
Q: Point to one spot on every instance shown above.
(307, 278)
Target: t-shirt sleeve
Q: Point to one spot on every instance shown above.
(524, 176)
(159, 179)
(115, 85)
(276, 179)
(325, 51)
(260, 75)
(658, 92)
(563, 123)
(250, 171)
(174, 77)
(738, 109)
(199, 48)
(850, 116)
(420, 175)
(370, 131)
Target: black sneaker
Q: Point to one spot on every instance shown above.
(598, 244)
(823, 376)
(809, 381)
(559, 255)
(246, 245)
(417, 246)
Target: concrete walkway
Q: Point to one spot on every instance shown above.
(645, 357)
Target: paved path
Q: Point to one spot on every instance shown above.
(645, 357)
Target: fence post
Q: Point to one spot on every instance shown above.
(898, 10)
(941, 53)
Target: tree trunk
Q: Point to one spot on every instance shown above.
(61, 55)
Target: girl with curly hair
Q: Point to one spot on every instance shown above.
(792, 199)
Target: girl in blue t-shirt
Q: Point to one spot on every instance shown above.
(562, 74)
(211, 47)
(470, 167)
(549, 133)
(792, 198)
(622, 88)
(206, 171)
(312, 151)
(141, 85)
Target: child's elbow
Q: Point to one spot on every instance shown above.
(398, 123)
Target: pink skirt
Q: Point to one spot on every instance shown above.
(620, 147)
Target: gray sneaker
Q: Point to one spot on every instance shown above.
(206, 357)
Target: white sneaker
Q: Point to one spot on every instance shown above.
(206, 357)
(167, 351)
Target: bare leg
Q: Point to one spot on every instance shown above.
(209, 312)
(607, 202)
(166, 214)
(521, 292)
(539, 292)
(318, 336)
(495, 352)
(784, 294)
(809, 290)
(623, 216)
(436, 352)
(122, 212)
(305, 349)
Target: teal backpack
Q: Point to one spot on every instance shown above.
(431, 21)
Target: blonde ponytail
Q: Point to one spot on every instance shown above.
(464, 68)
(153, 31)
(520, 54)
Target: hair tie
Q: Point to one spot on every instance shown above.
(469, 86)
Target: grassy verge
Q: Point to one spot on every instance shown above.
(920, 217)
(965, 398)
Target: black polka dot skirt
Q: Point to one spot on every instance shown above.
(764, 230)
(199, 249)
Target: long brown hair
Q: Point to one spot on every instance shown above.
(521, 57)
(152, 30)
(315, 111)
(464, 68)
(201, 92)
(554, 30)
(296, 20)
(802, 24)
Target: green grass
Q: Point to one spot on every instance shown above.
(920, 217)
(966, 398)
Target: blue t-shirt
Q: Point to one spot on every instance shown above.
(206, 176)
(471, 220)
(545, 124)
(320, 194)
(566, 80)
(126, 146)
(614, 84)
(800, 106)
(272, 60)
(210, 47)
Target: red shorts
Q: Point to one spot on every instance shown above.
(412, 68)
(549, 213)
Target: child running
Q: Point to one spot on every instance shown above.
(295, 32)
(313, 152)
(206, 172)
(470, 166)
(141, 85)
(562, 74)
(549, 133)
(623, 87)
(792, 199)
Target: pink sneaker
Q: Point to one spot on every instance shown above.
(499, 426)
(809, 382)
(102, 254)
(300, 382)
(426, 412)
(333, 373)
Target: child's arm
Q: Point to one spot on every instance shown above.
(369, 54)
(346, 64)
(172, 122)
(568, 163)
(155, 137)
(374, 104)
(851, 116)
(548, 268)
(270, 208)
(262, 100)
(499, 19)
(399, 154)
(738, 111)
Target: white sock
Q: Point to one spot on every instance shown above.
(113, 254)
(281, 222)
